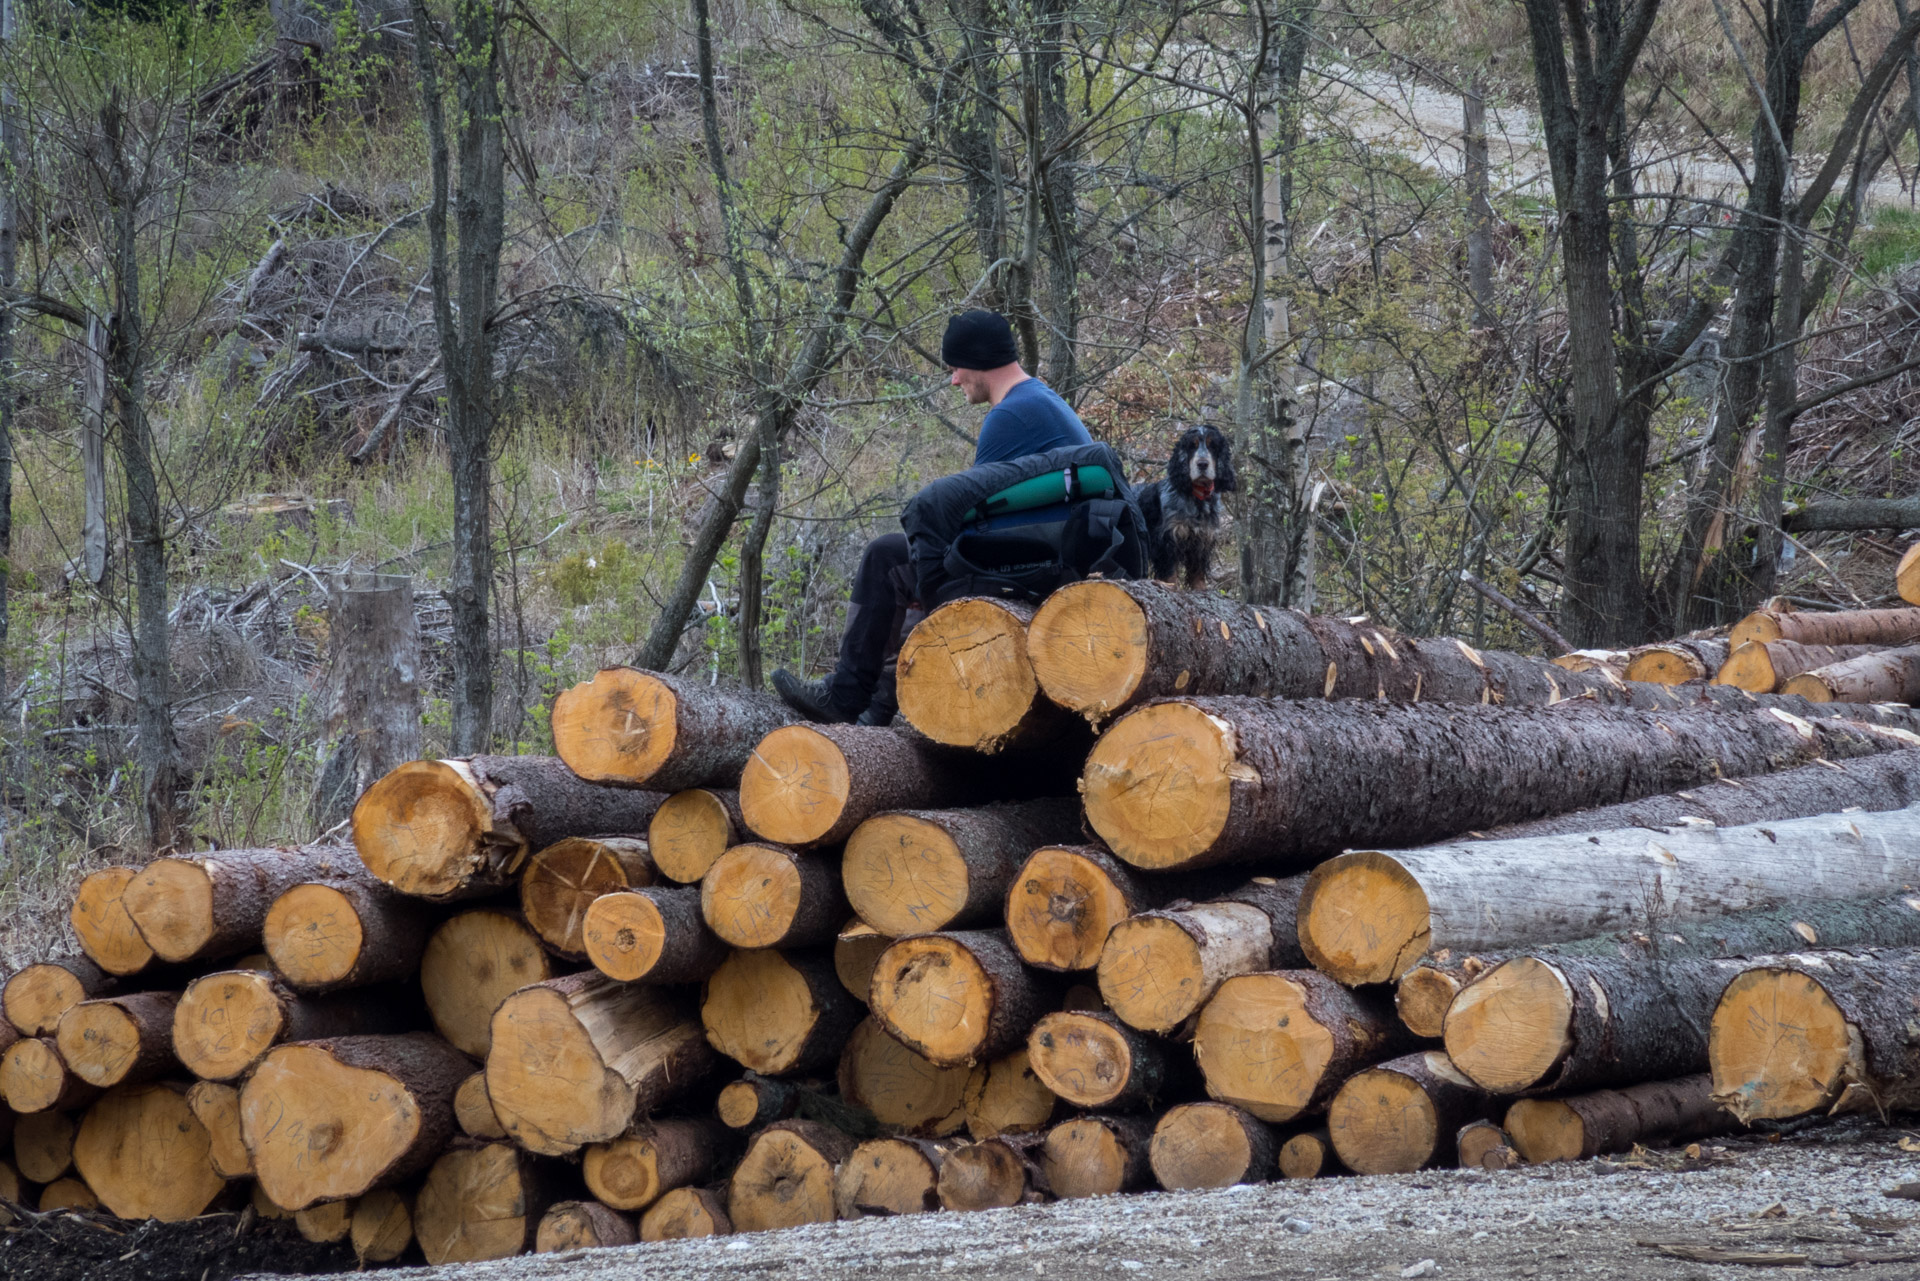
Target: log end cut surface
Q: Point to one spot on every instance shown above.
(473, 1206)
(795, 786)
(581, 1225)
(32, 1076)
(1363, 919)
(1545, 1130)
(225, 1022)
(1151, 974)
(964, 676)
(100, 1042)
(683, 1215)
(382, 1226)
(1778, 1045)
(321, 1130)
(782, 1182)
(1089, 645)
(1422, 998)
(759, 1011)
(1007, 1096)
(904, 875)
(689, 832)
(1085, 1157)
(1159, 784)
(1201, 1145)
(314, 934)
(418, 828)
(903, 1090)
(887, 1176)
(1260, 1048)
(1306, 1156)
(171, 902)
(472, 963)
(100, 921)
(618, 727)
(625, 935)
(1512, 1026)
(1060, 909)
(146, 1156)
(1083, 1059)
(982, 1176)
(933, 995)
(37, 997)
(1906, 576)
(751, 895)
(1383, 1123)
(564, 879)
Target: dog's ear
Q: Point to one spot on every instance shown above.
(1177, 461)
(1224, 479)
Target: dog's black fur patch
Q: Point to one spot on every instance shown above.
(1183, 507)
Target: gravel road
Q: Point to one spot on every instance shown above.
(1817, 1198)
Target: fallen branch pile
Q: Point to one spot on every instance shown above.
(711, 970)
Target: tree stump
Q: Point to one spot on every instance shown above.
(371, 697)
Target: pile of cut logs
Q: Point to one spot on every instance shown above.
(1151, 888)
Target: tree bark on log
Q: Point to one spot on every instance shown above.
(636, 728)
(1889, 781)
(1159, 968)
(1843, 627)
(35, 998)
(652, 935)
(906, 1093)
(120, 1040)
(685, 1214)
(1211, 1145)
(145, 1156)
(481, 1202)
(1097, 1155)
(382, 1226)
(786, 1179)
(1093, 1060)
(812, 785)
(217, 1106)
(227, 1022)
(1403, 1115)
(563, 880)
(1679, 662)
(890, 1176)
(1818, 1031)
(1425, 992)
(473, 1109)
(755, 1100)
(384, 1105)
(914, 871)
(1587, 1125)
(346, 931)
(582, 1225)
(100, 921)
(205, 906)
(575, 1060)
(457, 829)
(1007, 1096)
(960, 997)
(1280, 1044)
(692, 829)
(993, 1174)
(34, 1078)
(759, 896)
(1368, 917)
(472, 963)
(1883, 676)
(1764, 667)
(965, 679)
(1476, 1139)
(778, 1012)
(1193, 783)
(655, 1157)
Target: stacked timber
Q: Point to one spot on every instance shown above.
(1116, 908)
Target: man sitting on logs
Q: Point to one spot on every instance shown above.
(1026, 417)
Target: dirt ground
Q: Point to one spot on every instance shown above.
(214, 1247)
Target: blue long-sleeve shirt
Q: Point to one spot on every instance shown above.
(1030, 419)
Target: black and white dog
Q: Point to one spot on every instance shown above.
(1183, 508)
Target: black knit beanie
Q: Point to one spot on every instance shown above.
(978, 340)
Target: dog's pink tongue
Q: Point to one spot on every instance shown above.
(1203, 490)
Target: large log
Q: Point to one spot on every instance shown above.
(473, 962)
(34, 1078)
(1818, 1032)
(1097, 1155)
(218, 1108)
(913, 871)
(480, 1202)
(346, 931)
(959, 997)
(119, 1040)
(43, 1145)
(778, 1013)
(965, 679)
(1573, 1129)
(1368, 917)
(1403, 1115)
(1158, 968)
(1093, 1060)
(906, 1093)
(1196, 782)
(1889, 781)
(37, 996)
(1425, 992)
(205, 906)
(648, 729)
(146, 1156)
(993, 1174)
(685, 1214)
(1906, 575)
(1679, 662)
(227, 1022)
(1763, 667)
(1279, 1044)
(890, 1176)
(1842, 627)
(652, 935)
(767, 896)
(1878, 676)
(382, 1226)
(575, 1060)
(1211, 1145)
(812, 785)
(100, 922)
(787, 1177)
(456, 829)
(692, 829)
(331, 1119)
(1066, 898)
(638, 1168)
(1007, 1096)
(562, 880)
(582, 1225)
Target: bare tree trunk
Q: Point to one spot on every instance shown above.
(1055, 184)
(9, 249)
(93, 452)
(1479, 207)
(466, 341)
(372, 695)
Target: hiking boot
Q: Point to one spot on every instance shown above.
(885, 702)
(877, 713)
(811, 699)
